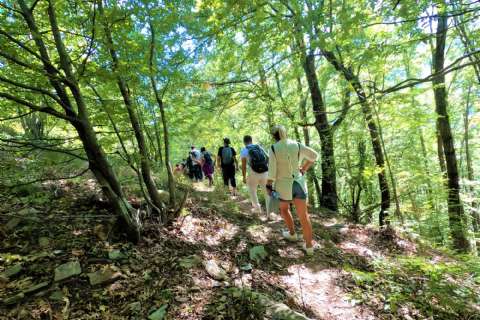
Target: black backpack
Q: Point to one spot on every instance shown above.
(208, 158)
(258, 159)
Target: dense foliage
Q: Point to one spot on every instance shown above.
(387, 91)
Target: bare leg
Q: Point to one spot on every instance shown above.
(301, 206)
(287, 216)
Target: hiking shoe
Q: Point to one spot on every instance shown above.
(308, 251)
(290, 237)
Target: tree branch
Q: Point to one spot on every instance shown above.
(35, 107)
(41, 147)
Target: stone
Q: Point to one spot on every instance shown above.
(12, 271)
(159, 314)
(135, 307)
(3, 281)
(190, 261)
(37, 287)
(44, 242)
(12, 223)
(214, 270)
(28, 212)
(116, 255)
(14, 299)
(103, 276)
(100, 232)
(258, 253)
(67, 270)
(56, 295)
(164, 196)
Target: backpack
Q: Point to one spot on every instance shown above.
(189, 163)
(258, 159)
(227, 155)
(208, 158)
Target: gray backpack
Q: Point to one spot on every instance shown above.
(227, 155)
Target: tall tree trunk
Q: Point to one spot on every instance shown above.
(468, 157)
(354, 81)
(393, 182)
(267, 98)
(457, 217)
(312, 179)
(161, 107)
(158, 139)
(468, 44)
(329, 197)
(98, 162)
(430, 197)
(135, 123)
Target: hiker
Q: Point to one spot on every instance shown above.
(196, 156)
(189, 167)
(288, 162)
(207, 165)
(179, 169)
(255, 161)
(227, 161)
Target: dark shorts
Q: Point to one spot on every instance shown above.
(297, 192)
(228, 174)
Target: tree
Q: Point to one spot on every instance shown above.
(64, 91)
(457, 218)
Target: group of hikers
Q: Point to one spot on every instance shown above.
(278, 172)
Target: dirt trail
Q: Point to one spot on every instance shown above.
(309, 283)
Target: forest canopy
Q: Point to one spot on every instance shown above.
(102, 101)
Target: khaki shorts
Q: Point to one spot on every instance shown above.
(297, 192)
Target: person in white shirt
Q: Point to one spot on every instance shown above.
(288, 162)
(196, 156)
(255, 172)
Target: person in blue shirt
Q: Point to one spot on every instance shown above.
(255, 172)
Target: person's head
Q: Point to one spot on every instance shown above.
(202, 149)
(192, 147)
(247, 140)
(279, 132)
(226, 142)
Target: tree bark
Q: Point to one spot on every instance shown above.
(468, 44)
(329, 197)
(266, 98)
(135, 123)
(457, 217)
(312, 179)
(468, 157)
(354, 81)
(393, 182)
(161, 107)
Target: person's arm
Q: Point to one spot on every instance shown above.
(310, 157)
(234, 154)
(272, 170)
(244, 169)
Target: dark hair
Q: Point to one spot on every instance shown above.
(226, 141)
(202, 149)
(247, 139)
(192, 147)
(276, 136)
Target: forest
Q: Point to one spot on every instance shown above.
(102, 101)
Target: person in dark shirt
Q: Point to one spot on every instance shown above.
(227, 162)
